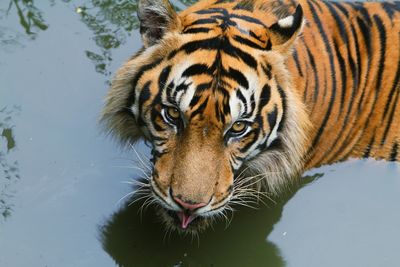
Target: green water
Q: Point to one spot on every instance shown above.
(61, 180)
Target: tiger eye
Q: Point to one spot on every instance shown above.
(238, 126)
(173, 113)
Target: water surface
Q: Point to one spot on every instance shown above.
(61, 179)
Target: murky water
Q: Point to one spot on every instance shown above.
(61, 180)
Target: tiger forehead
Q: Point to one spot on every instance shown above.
(250, 14)
(224, 19)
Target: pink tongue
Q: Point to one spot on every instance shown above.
(185, 219)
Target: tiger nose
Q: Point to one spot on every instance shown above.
(188, 205)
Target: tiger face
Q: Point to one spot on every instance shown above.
(211, 93)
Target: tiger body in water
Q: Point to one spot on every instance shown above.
(232, 93)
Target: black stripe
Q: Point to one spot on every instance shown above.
(367, 151)
(244, 5)
(194, 100)
(200, 109)
(340, 7)
(391, 98)
(238, 77)
(248, 42)
(355, 73)
(217, 43)
(267, 70)
(132, 94)
(272, 119)
(182, 87)
(365, 31)
(316, 3)
(332, 73)
(391, 117)
(154, 115)
(394, 151)
(391, 8)
(144, 95)
(210, 11)
(203, 21)
(339, 22)
(395, 86)
(265, 96)
(252, 104)
(233, 51)
(225, 103)
(162, 80)
(169, 93)
(208, 44)
(343, 77)
(196, 69)
(315, 72)
(250, 142)
(361, 10)
(382, 40)
(196, 30)
(218, 112)
(255, 36)
(202, 87)
(242, 99)
(296, 60)
(224, 1)
(284, 108)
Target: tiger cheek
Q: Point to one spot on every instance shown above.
(163, 172)
(224, 185)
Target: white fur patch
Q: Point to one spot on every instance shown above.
(186, 98)
(235, 107)
(274, 133)
(134, 109)
(286, 22)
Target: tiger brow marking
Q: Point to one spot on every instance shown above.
(144, 95)
(200, 109)
(132, 94)
(225, 16)
(241, 97)
(237, 76)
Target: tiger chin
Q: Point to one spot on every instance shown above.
(238, 98)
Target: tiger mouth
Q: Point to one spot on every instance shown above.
(185, 220)
(173, 221)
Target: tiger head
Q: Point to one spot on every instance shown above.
(211, 93)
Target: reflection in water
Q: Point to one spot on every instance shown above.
(9, 172)
(30, 17)
(132, 238)
(111, 23)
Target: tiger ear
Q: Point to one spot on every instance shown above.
(283, 33)
(156, 18)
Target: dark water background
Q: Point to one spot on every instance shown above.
(61, 180)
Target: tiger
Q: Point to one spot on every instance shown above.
(254, 92)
